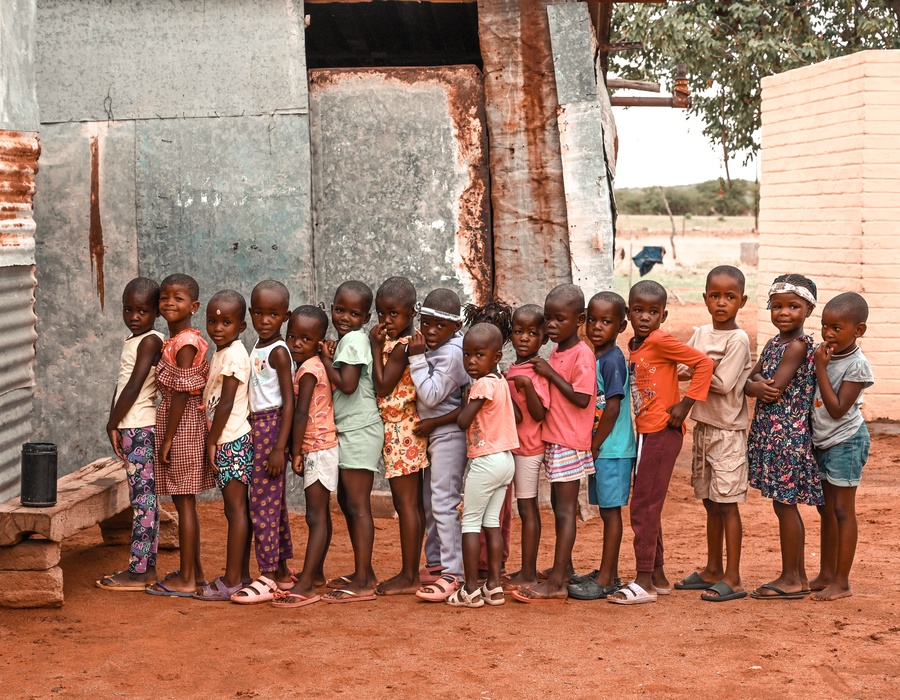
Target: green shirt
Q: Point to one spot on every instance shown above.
(359, 409)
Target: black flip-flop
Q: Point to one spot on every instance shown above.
(693, 583)
(778, 593)
(723, 592)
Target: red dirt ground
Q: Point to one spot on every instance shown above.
(103, 644)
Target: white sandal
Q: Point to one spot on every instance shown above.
(262, 590)
(631, 594)
(461, 599)
(487, 595)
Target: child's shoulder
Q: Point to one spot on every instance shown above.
(312, 366)
(613, 357)
(708, 336)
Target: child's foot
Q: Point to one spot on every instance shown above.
(819, 583)
(127, 581)
(517, 580)
(542, 591)
(339, 582)
(398, 585)
(172, 575)
(831, 592)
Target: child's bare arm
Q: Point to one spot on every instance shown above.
(344, 378)
(386, 376)
(468, 413)
(281, 361)
(607, 423)
(223, 411)
(837, 404)
(184, 359)
(759, 387)
(543, 369)
(147, 353)
(305, 389)
(794, 356)
(426, 426)
(532, 401)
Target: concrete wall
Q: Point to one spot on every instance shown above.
(194, 117)
(828, 200)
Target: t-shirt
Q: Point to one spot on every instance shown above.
(654, 379)
(143, 411)
(725, 406)
(320, 431)
(529, 430)
(493, 429)
(612, 381)
(827, 431)
(233, 361)
(566, 424)
(359, 409)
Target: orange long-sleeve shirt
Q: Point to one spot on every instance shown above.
(654, 379)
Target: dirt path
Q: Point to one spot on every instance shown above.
(132, 645)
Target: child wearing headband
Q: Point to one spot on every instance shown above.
(780, 454)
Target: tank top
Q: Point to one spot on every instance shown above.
(264, 390)
(143, 411)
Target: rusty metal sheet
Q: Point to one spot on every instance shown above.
(19, 152)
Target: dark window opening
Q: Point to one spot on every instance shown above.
(386, 33)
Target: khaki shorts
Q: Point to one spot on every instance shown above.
(719, 464)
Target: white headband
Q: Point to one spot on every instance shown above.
(787, 287)
(427, 311)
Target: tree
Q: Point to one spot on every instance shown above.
(730, 45)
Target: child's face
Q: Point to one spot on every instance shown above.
(175, 303)
(788, 311)
(437, 331)
(224, 323)
(646, 313)
(561, 320)
(303, 337)
(480, 357)
(268, 312)
(349, 312)
(840, 332)
(724, 298)
(395, 315)
(603, 324)
(527, 335)
(139, 311)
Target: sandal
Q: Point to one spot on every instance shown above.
(487, 595)
(440, 590)
(217, 591)
(262, 590)
(430, 574)
(460, 599)
(283, 599)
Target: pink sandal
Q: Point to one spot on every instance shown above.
(440, 590)
(262, 590)
(430, 574)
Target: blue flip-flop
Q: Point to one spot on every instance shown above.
(168, 592)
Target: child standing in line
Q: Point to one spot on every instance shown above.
(271, 420)
(612, 447)
(490, 426)
(182, 469)
(132, 417)
(314, 450)
(782, 465)
(566, 430)
(437, 370)
(531, 395)
(348, 364)
(659, 413)
(229, 448)
(719, 457)
(840, 437)
(405, 454)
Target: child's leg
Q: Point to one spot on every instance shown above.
(612, 542)
(265, 513)
(525, 482)
(446, 474)
(505, 533)
(734, 535)
(357, 485)
(791, 534)
(237, 513)
(285, 546)
(828, 550)
(843, 500)
(189, 572)
(715, 535)
(494, 538)
(318, 519)
(565, 508)
(405, 493)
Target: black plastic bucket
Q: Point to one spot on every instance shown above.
(38, 474)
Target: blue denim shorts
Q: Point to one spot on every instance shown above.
(842, 464)
(610, 485)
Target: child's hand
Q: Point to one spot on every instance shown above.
(328, 349)
(764, 390)
(297, 465)
(211, 454)
(520, 381)
(542, 368)
(275, 464)
(424, 427)
(164, 452)
(115, 439)
(822, 355)
(377, 335)
(416, 344)
(677, 413)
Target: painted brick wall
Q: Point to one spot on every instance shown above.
(830, 197)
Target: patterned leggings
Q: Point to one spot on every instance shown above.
(268, 508)
(137, 445)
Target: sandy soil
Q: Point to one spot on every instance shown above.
(104, 644)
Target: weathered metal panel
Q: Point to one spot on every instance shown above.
(588, 200)
(227, 201)
(530, 241)
(400, 178)
(15, 429)
(19, 152)
(101, 60)
(18, 100)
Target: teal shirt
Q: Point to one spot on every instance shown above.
(359, 409)
(613, 380)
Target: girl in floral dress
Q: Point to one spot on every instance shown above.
(782, 465)
(405, 454)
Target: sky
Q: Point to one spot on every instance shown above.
(665, 146)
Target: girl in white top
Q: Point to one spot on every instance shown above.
(132, 417)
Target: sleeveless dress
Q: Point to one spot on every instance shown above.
(188, 471)
(779, 444)
(404, 453)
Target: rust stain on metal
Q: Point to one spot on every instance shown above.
(19, 153)
(95, 238)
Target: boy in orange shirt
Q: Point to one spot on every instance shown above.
(659, 413)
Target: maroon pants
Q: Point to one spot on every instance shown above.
(651, 483)
(505, 531)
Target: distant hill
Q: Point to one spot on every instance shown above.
(709, 198)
